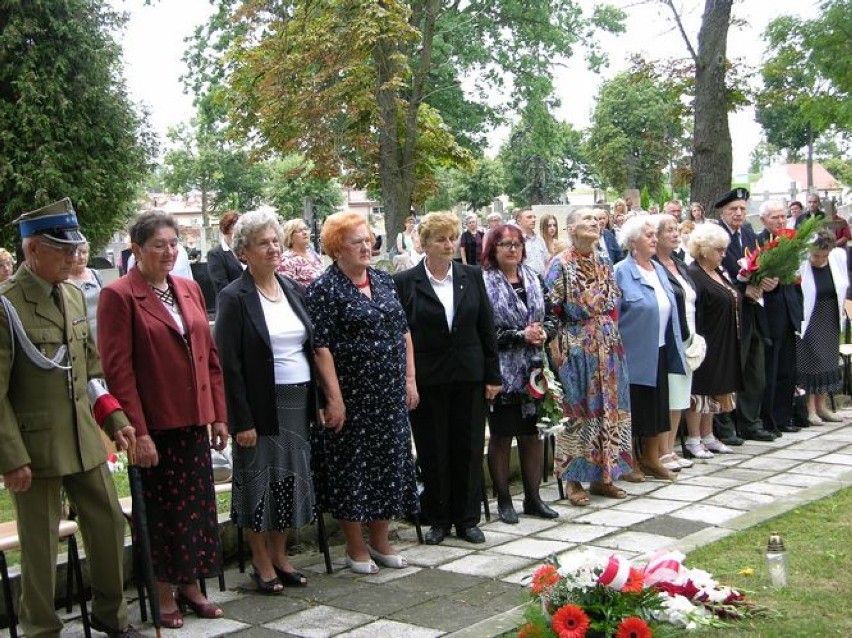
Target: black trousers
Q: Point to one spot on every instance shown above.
(749, 399)
(777, 409)
(449, 433)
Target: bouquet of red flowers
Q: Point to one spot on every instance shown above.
(780, 257)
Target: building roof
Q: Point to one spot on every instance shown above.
(823, 180)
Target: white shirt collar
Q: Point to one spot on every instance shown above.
(448, 278)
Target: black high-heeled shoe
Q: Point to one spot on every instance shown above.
(290, 579)
(272, 586)
(507, 513)
(539, 509)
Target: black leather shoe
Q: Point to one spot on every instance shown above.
(435, 535)
(540, 509)
(757, 434)
(471, 534)
(507, 514)
(789, 428)
(733, 441)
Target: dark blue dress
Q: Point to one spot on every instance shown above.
(366, 471)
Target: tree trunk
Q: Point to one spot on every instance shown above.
(396, 153)
(810, 160)
(712, 156)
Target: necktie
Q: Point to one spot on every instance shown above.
(738, 238)
(56, 295)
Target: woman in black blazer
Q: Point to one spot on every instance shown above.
(457, 371)
(265, 341)
(222, 264)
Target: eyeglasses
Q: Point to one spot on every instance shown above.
(510, 245)
(67, 251)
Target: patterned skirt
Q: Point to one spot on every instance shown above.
(272, 486)
(818, 370)
(180, 503)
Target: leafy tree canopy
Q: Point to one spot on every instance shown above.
(67, 126)
(291, 180)
(807, 75)
(636, 128)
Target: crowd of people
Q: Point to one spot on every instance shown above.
(319, 376)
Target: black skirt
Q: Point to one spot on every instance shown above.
(506, 420)
(649, 405)
(180, 504)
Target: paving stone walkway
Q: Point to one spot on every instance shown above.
(472, 591)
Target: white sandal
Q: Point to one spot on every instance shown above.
(698, 451)
(669, 462)
(396, 561)
(362, 567)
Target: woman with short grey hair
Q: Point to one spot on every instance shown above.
(265, 340)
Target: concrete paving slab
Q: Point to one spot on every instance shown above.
(707, 513)
(526, 525)
(320, 622)
(390, 575)
(743, 501)
(688, 493)
(773, 464)
(568, 512)
(486, 564)
(825, 470)
(532, 548)
(494, 595)
(669, 526)
(391, 628)
(256, 610)
(710, 480)
(382, 601)
(435, 580)
(798, 480)
(654, 506)
(744, 475)
(840, 459)
(613, 518)
(794, 452)
(637, 542)
(772, 489)
(432, 555)
(260, 632)
(639, 489)
(821, 444)
(492, 538)
(442, 615)
(577, 532)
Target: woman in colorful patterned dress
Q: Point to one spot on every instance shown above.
(299, 262)
(364, 468)
(588, 353)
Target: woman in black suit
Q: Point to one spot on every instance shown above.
(222, 264)
(265, 341)
(457, 371)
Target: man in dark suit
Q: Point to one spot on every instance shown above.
(754, 331)
(784, 314)
(222, 264)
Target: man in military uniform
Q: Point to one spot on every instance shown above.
(49, 438)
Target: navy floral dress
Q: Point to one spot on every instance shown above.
(365, 472)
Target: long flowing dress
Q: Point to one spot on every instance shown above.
(816, 351)
(596, 446)
(365, 472)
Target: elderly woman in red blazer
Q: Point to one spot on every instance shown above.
(161, 363)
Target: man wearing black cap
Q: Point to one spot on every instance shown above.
(51, 395)
(732, 208)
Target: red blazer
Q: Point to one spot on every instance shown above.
(161, 380)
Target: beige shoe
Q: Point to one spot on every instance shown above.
(830, 417)
(814, 420)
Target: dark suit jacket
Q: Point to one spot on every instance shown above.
(680, 295)
(246, 353)
(161, 380)
(752, 315)
(784, 306)
(468, 352)
(223, 267)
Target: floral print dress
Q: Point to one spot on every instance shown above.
(365, 472)
(596, 445)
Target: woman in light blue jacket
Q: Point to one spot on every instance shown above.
(650, 330)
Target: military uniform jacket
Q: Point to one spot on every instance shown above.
(45, 417)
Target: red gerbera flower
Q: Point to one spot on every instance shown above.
(545, 577)
(530, 631)
(633, 627)
(570, 622)
(635, 582)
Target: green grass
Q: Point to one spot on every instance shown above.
(816, 601)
